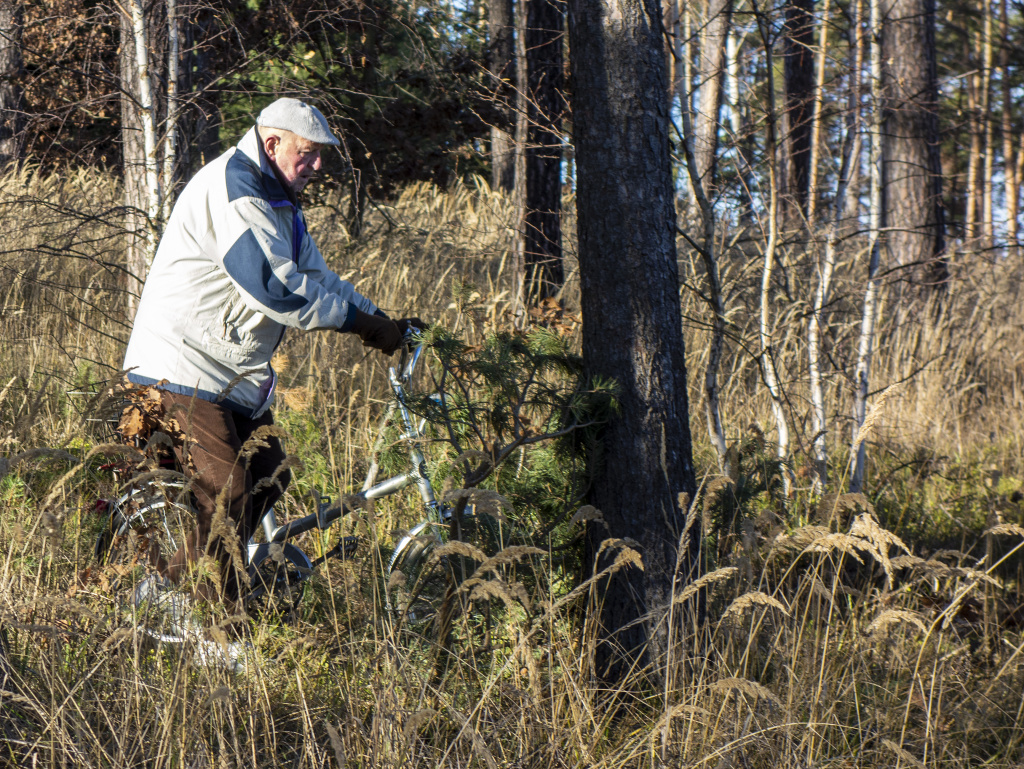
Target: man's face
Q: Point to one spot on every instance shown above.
(295, 159)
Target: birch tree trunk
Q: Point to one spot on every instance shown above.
(138, 133)
(12, 72)
(877, 224)
(827, 263)
(709, 256)
(766, 356)
(171, 128)
(502, 66)
(632, 329)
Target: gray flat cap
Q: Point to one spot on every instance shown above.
(299, 118)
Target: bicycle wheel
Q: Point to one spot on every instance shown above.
(418, 583)
(276, 581)
(146, 527)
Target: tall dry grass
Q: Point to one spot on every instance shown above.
(829, 641)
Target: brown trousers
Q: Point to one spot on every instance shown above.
(220, 470)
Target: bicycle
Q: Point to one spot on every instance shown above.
(149, 522)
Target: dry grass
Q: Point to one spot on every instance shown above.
(826, 644)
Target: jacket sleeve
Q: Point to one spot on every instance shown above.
(312, 263)
(256, 253)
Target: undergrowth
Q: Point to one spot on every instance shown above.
(840, 630)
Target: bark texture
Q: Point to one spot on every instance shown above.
(798, 72)
(12, 71)
(710, 77)
(136, 189)
(632, 329)
(911, 147)
(502, 66)
(542, 251)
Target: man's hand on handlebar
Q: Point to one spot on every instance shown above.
(409, 324)
(377, 331)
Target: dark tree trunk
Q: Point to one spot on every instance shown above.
(502, 65)
(798, 73)
(917, 238)
(542, 250)
(12, 71)
(632, 329)
(711, 75)
(200, 119)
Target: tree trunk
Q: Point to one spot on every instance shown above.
(877, 228)
(632, 330)
(12, 71)
(710, 77)
(542, 248)
(798, 72)
(502, 66)
(1012, 182)
(910, 96)
(143, 40)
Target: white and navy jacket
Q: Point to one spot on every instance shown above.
(235, 266)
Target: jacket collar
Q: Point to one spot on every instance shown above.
(251, 147)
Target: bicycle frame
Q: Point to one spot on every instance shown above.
(327, 514)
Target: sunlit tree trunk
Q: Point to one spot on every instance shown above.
(818, 322)
(816, 109)
(632, 330)
(12, 73)
(914, 177)
(1012, 180)
(766, 355)
(710, 76)
(989, 124)
(876, 225)
(139, 141)
(171, 127)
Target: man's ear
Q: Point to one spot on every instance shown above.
(270, 145)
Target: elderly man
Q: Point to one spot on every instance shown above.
(235, 267)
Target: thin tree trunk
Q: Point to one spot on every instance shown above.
(986, 116)
(798, 68)
(138, 132)
(767, 352)
(877, 224)
(632, 330)
(853, 108)
(12, 73)
(818, 322)
(1012, 181)
(545, 24)
(502, 66)
(519, 313)
(973, 157)
(171, 129)
(709, 256)
(710, 76)
(819, 98)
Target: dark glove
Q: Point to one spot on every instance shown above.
(379, 333)
(405, 324)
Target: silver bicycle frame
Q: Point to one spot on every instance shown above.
(325, 517)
